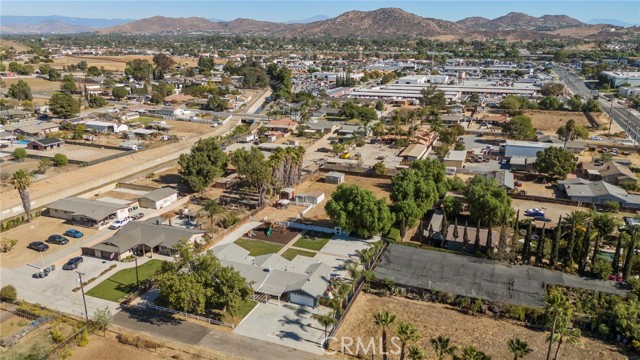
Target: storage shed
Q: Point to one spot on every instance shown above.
(334, 178)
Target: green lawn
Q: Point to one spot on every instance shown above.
(123, 282)
(313, 241)
(258, 247)
(289, 254)
(244, 309)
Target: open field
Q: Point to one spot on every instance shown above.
(113, 63)
(38, 229)
(258, 247)
(36, 84)
(549, 121)
(488, 335)
(123, 282)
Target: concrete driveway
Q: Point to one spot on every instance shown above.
(286, 324)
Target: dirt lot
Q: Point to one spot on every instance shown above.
(13, 45)
(36, 84)
(38, 230)
(114, 63)
(549, 121)
(488, 335)
(186, 128)
(77, 152)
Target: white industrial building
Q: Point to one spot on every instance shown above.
(618, 78)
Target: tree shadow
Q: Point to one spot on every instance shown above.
(153, 317)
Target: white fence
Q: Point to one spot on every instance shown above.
(197, 317)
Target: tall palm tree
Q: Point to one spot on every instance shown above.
(415, 353)
(441, 345)
(325, 321)
(212, 207)
(471, 353)
(384, 319)
(21, 180)
(556, 307)
(519, 348)
(572, 336)
(406, 332)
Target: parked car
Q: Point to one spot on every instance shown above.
(38, 246)
(596, 138)
(542, 218)
(534, 212)
(73, 263)
(76, 234)
(58, 240)
(119, 223)
(137, 216)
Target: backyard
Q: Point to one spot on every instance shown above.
(290, 254)
(258, 247)
(123, 282)
(313, 240)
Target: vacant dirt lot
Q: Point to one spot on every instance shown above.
(549, 121)
(77, 152)
(13, 45)
(36, 84)
(488, 335)
(113, 63)
(38, 229)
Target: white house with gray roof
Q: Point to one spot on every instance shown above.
(89, 213)
(159, 198)
(599, 192)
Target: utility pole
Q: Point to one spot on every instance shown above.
(610, 116)
(137, 279)
(84, 300)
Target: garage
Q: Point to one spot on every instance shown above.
(302, 299)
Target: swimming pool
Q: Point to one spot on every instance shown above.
(22, 142)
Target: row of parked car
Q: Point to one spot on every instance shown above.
(537, 215)
(55, 239)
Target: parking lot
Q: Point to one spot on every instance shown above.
(285, 324)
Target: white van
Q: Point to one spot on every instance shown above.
(450, 171)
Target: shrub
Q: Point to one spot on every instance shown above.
(477, 307)
(7, 244)
(517, 313)
(56, 335)
(8, 293)
(229, 220)
(602, 269)
(137, 341)
(60, 160)
(83, 339)
(20, 154)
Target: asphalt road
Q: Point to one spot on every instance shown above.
(623, 116)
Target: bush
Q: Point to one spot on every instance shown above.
(56, 335)
(229, 220)
(137, 341)
(60, 160)
(602, 269)
(379, 168)
(456, 183)
(8, 293)
(20, 154)
(83, 339)
(7, 244)
(517, 313)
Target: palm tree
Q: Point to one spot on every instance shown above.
(212, 207)
(384, 320)
(442, 347)
(21, 180)
(415, 353)
(325, 321)
(556, 308)
(471, 353)
(572, 336)
(407, 332)
(519, 348)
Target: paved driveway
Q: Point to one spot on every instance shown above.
(286, 324)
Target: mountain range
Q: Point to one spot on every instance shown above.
(385, 22)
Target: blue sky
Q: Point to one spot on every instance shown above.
(626, 10)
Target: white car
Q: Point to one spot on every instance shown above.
(119, 223)
(596, 138)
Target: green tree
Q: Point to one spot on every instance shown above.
(629, 252)
(60, 160)
(216, 103)
(451, 206)
(561, 56)
(557, 311)
(406, 333)
(63, 105)
(433, 98)
(163, 62)
(383, 319)
(157, 98)
(325, 321)
(100, 320)
(78, 131)
(519, 128)
(555, 162)
(254, 167)
(442, 346)
(550, 103)
(96, 101)
(424, 183)
(592, 106)
(119, 93)
(552, 89)
(471, 353)
(415, 353)
(379, 168)
(575, 103)
(510, 102)
(20, 154)
(93, 71)
(21, 180)
(213, 208)
(43, 165)
(355, 209)
(139, 69)
(8, 293)
(203, 165)
(487, 201)
(407, 214)
(68, 84)
(519, 348)
(54, 75)
(20, 91)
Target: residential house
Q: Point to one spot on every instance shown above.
(610, 171)
(159, 198)
(495, 119)
(38, 130)
(599, 193)
(455, 158)
(285, 126)
(452, 119)
(130, 116)
(89, 213)
(574, 147)
(141, 238)
(326, 111)
(414, 152)
(504, 178)
(106, 127)
(45, 144)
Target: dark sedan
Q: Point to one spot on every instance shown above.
(38, 246)
(73, 263)
(58, 240)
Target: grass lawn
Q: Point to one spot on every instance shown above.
(289, 254)
(258, 247)
(123, 282)
(313, 241)
(243, 310)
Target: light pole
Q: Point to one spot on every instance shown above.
(84, 300)
(42, 258)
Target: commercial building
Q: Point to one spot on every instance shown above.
(618, 78)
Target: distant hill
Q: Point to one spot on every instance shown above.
(17, 21)
(159, 24)
(309, 19)
(613, 22)
(521, 21)
(44, 27)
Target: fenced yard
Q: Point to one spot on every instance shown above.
(123, 283)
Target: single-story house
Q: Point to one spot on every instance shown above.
(140, 237)
(599, 192)
(89, 213)
(574, 147)
(326, 111)
(311, 198)
(414, 152)
(301, 281)
(348, 130)
(45, 144)
(455, 158)
(524, 149)
(130, 116)
(504, 178)
(159, 198)
(334, 178)
(320, 126)
(38, 130)
(284, 126)
(452, 119)
(495, 119)
(106, 127)
(610, 171)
